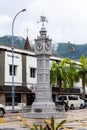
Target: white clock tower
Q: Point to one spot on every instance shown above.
(43, 52)
(43, 106)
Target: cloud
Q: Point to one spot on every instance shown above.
(4, 19)
(4, 24)
(67, 19)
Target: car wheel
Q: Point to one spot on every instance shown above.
(1, 113)
(72, 107)
(81, 106)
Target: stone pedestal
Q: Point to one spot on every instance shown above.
(44, 110)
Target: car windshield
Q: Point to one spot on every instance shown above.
(62, 98)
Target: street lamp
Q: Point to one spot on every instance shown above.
(13, 92)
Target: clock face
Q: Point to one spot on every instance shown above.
(39, 46)
(47, 46)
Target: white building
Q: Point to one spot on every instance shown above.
(25, 77)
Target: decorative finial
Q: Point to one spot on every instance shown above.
(43, 19)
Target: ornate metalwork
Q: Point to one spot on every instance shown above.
(43, 20)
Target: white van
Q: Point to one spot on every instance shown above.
(73, 101)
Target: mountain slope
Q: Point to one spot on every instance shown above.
(7, 40)
(72, 51)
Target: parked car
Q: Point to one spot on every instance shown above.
(61, 106)
(73, 101)
(85, 102)
(2, 110)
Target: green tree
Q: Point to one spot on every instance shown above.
(83, 72)
(72, 72)
(62, 73)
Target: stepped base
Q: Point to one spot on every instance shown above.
(55, 114)
(44, 110)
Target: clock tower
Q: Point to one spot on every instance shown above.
(43, 105)
(43, 52)
(43, 43)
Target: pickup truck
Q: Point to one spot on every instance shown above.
(2, 110)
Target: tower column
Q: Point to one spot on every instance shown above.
(43, 96)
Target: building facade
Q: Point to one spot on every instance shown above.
(25, 76)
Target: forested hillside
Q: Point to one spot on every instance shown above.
(72, 51)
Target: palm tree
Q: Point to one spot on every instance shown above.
(72, 72)
(83, 72)
(62, 74)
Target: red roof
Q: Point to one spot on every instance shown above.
(27, 45)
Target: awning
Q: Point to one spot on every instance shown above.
(67, 90)
(18, 89)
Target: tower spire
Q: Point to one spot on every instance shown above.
(27, 43)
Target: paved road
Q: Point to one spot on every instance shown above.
(76, 120)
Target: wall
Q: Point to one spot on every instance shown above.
(18, 62)
(24, 70)
(2, 65)
(24, 98)
(2, 98)
(31, 62)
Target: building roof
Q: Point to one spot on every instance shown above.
(27, 44)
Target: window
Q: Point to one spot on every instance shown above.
(15, 70)
(8, 99)
(62, 98)
(32, 72)
(73, 97)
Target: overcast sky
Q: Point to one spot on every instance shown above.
(67, 19)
